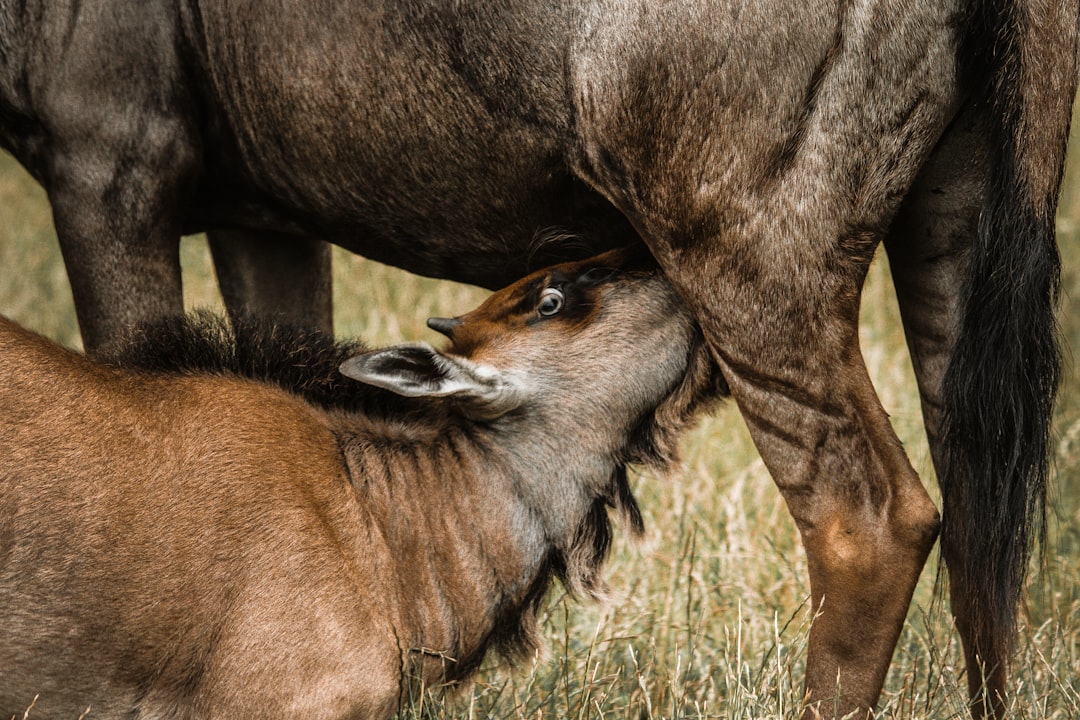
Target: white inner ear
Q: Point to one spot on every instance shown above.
(418, 370)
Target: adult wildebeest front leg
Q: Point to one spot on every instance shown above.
(92, 106)
(120, 240)
(275, 275)
(121, 257)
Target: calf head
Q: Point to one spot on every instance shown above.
(603, 348)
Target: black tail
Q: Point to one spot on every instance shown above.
(1001, 382)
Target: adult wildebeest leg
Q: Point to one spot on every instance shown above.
(765, 214)
(112, 139)
(928, 248)
(783, 326)
(976, 268)
(763, 186)
(274, 274)
(119, 236)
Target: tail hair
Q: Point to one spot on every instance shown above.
(1002, 379)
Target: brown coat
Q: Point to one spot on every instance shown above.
(194, 544)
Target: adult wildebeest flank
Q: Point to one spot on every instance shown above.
(225, 527)
(760, 150)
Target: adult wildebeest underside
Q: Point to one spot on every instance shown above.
(761, 150)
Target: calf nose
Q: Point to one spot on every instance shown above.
(444, 325)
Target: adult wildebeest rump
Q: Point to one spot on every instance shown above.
(761, 150)
(182, 542)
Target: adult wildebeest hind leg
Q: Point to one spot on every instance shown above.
(975, 265)
(765, 213)
(274, 275)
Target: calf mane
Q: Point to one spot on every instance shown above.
(302, 361)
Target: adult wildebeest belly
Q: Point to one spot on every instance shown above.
(405, 160)
(428, 137)
(447, 140)
(762, 151)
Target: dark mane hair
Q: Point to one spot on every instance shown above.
(299, 360)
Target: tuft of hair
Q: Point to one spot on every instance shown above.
(555, 245)
(517, 633)
(299, 360)
(999, 388)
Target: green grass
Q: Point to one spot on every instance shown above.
(709, 614)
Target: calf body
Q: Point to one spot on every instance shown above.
(181, 542)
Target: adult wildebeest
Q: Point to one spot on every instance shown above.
(761, 150)
(180, 541)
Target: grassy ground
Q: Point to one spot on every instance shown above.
(709, 617)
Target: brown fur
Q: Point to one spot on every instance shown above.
(198, 534)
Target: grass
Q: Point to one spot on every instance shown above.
(709, 616)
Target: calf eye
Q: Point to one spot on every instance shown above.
(551, 302)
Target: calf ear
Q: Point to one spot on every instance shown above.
(418, 370)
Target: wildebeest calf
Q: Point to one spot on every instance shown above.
(203, 528)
